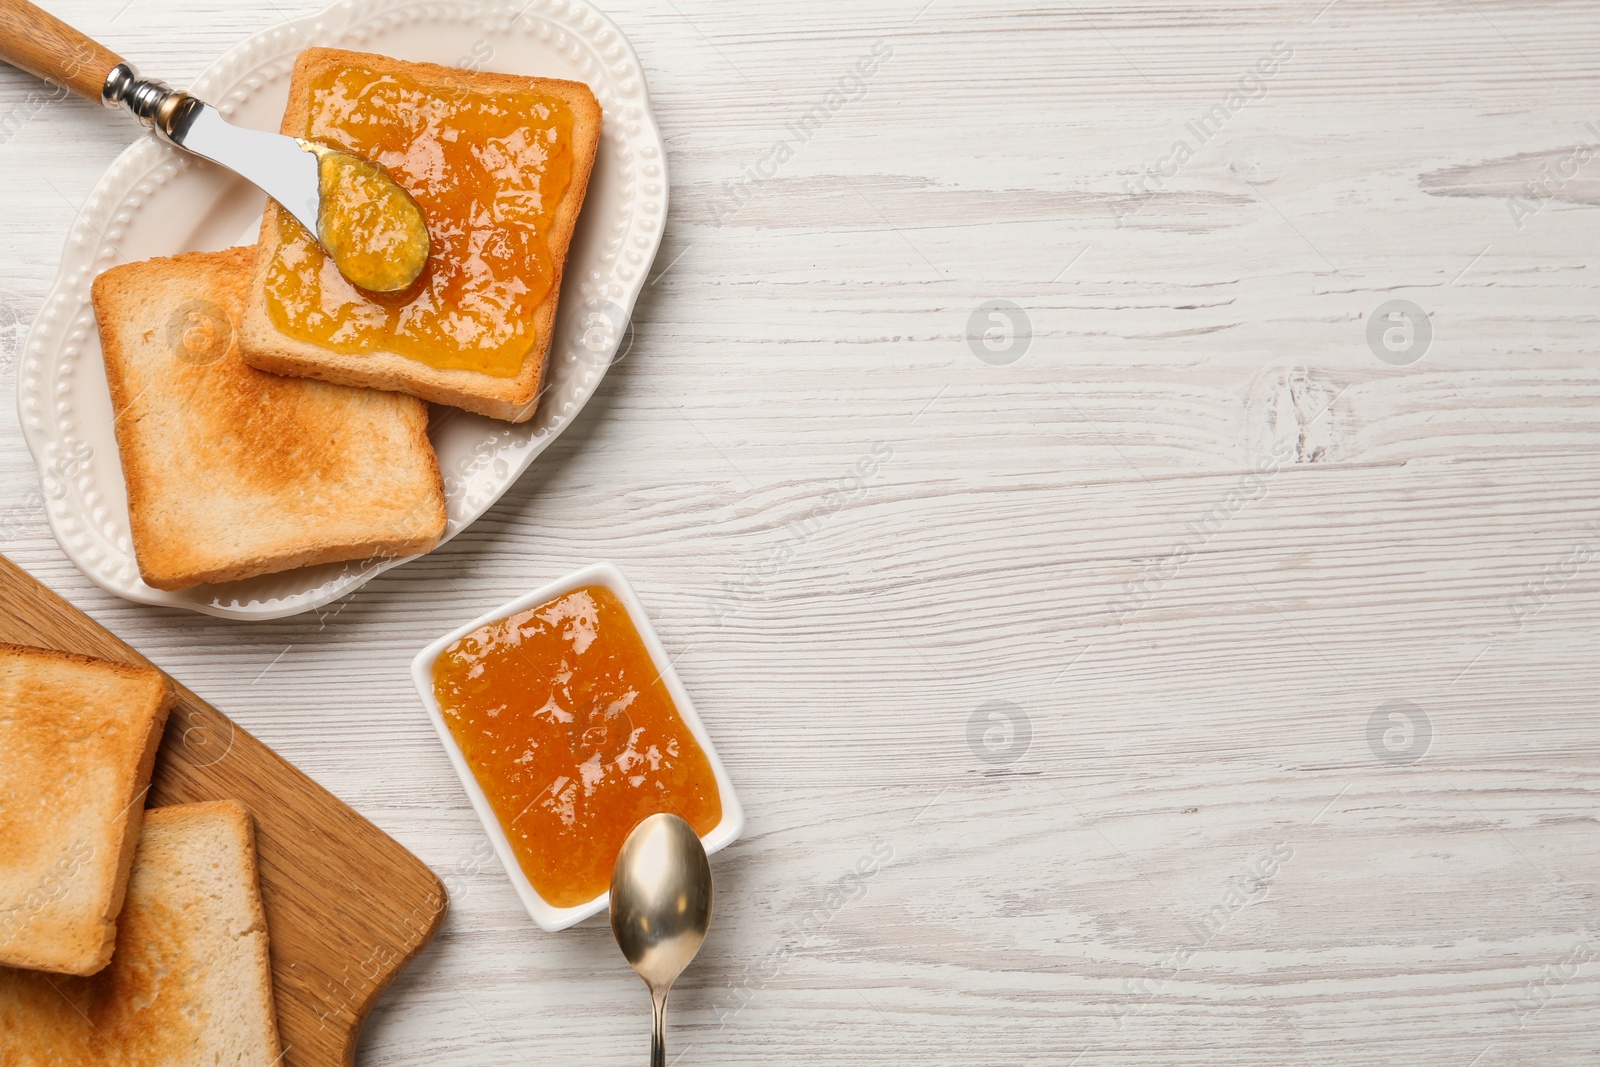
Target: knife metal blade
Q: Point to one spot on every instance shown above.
(274, 163)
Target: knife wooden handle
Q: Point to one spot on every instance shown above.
(43, 45)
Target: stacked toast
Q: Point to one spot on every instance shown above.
(248, 449)
(126, 936)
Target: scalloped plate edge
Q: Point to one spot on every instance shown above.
(87, 250)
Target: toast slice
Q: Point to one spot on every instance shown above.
(232, 472)
(190, 982)
(482, 259)
(78, 737)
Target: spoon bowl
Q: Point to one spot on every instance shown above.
(660, 908)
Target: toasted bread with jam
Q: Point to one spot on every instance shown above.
(416, 144)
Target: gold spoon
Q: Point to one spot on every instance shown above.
(660, 909)
(373, 230)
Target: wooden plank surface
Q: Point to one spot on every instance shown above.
(1199, 706)
(347, 907)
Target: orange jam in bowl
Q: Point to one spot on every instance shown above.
(488, 168)
(562, 715)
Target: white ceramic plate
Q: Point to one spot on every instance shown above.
(157, 201)
(548, 916)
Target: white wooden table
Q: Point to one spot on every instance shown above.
(1295, 646)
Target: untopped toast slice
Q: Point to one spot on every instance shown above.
(191, 981)
(233, 472)
(78, 738)
(467, 333)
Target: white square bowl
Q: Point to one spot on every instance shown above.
(548, 916)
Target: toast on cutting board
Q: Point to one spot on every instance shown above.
(435, 339)
(190, 982)
(78, 738)
(232, 472)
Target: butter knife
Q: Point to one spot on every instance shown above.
(287, 169)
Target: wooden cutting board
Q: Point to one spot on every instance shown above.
(347, 907)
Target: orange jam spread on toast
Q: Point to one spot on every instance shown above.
(569, 730)
(488, 168)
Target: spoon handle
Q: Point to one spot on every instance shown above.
(658, 1035)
